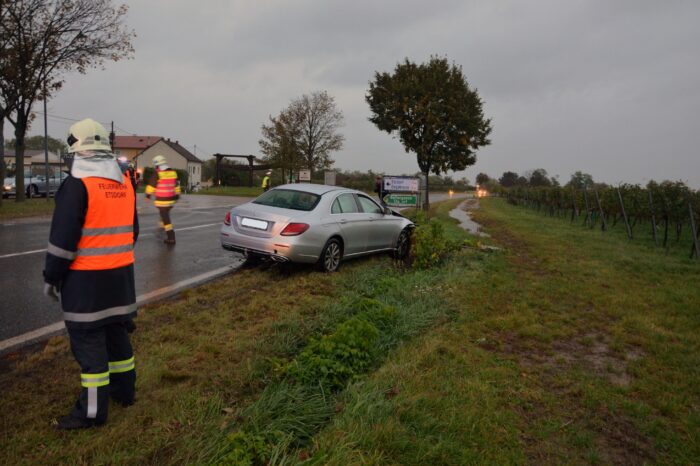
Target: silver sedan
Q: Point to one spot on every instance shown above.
(316, 224)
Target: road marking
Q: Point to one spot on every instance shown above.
(57, 327)
(182, 229)
(23, 253)
(145, 234)
(198, 226)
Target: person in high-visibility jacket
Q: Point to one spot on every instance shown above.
(266, 180)
(90, 264)
(165, 186)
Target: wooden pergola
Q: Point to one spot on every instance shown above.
(250, 168)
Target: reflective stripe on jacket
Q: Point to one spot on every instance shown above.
(107, 237)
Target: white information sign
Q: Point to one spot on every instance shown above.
(329, 178)
(402, 184)
(304, 175)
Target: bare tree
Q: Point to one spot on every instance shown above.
(304, 134)
(319, 120)
(43, 40)
(5, 107)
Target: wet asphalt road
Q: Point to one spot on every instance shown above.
(197, 219)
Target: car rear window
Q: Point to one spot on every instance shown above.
(289, 199)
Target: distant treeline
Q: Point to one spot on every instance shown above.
(234, 173)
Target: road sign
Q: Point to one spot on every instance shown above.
(404, 184)
(401, 200)
(304, 175)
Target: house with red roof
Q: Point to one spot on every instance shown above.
(177, 156)
(131, 146)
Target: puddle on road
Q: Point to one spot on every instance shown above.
(465, 220)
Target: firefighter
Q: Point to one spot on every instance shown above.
(128, 169)
(90, 264)
(266, 180)
(167, 191)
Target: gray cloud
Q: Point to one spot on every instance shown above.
(605, 87)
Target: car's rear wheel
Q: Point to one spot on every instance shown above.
(331, 256)
(252, 259)
(32, 191)
(403, 245)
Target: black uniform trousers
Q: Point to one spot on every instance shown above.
(107, 369)
(166, 223)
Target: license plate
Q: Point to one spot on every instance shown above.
(252, 223)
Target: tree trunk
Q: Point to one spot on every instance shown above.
(20, 132)
(2, 155)
(426, 204)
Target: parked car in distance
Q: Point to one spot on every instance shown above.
(314, 224)
(35, 185)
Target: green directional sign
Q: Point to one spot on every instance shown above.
(401, 200)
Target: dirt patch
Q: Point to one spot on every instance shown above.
(591, 352)
(616, 438)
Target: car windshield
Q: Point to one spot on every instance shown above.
(289, 199)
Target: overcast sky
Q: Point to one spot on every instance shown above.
(606, 87)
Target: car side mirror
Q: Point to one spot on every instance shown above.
(387, 211)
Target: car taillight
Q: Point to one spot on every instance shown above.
(227, 219)
(294, 229)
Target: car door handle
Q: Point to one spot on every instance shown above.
(343, 220)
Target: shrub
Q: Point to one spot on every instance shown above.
(246, 449)
(335, 359)
(430, 247)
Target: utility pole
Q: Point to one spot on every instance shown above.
(111, 137)
(46, 147)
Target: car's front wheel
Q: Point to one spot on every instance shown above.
(331, 256)
(403, 245)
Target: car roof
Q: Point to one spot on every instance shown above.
(320, 189)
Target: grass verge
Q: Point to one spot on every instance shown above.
(571, 347)
(244, 191)
(10, 209)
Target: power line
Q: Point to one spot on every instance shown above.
(125, 131)
(202, 150)
(65, 118)
(58, 117)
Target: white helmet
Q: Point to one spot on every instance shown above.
(159, 161)
(88, 135)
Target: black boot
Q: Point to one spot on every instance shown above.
(124, 403)
(170, 237)
(72, 423)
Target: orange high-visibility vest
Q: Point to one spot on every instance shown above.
(167, 190)
(107, 240)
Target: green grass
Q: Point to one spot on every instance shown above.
(10, 209)
(569, 346)
(572, 347)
